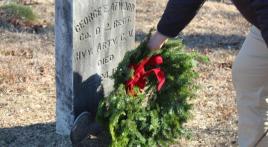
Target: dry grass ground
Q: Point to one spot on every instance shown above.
(27, 83)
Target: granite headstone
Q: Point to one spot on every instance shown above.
(92, 37)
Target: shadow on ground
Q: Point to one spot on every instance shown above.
(205, 41)
(213, 41)
(42, 135)
(32, 136)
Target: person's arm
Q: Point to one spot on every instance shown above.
(261, 10)
(177, 15)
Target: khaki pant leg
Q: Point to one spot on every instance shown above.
(250, 78)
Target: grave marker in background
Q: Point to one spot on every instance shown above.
(92, 37)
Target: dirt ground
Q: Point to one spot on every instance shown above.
(27, 77)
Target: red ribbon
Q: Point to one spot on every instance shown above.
(140, 75)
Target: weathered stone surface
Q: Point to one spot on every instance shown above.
(92, 37)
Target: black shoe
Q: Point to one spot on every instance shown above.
(81, 128)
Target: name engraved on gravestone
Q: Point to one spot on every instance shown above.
(100, 11)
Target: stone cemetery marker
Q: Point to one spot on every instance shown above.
(92, 37)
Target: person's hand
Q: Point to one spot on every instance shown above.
(156, 41)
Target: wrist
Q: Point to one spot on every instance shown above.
(156, 41)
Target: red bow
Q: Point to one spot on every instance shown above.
(140, 75)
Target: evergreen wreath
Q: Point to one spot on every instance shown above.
(149, 103)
